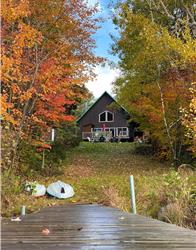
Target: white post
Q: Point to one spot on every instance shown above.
(43, 159)
(133, 203)
(53, 134)
(23, 210)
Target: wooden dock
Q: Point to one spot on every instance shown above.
(91, 227)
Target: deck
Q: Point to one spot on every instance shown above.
(91, 227)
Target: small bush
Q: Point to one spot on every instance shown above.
(10, 186)
(173, 213)
(180, 198)
(30, 160)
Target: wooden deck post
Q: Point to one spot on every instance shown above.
(132, 190)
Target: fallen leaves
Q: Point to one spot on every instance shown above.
(46, 231)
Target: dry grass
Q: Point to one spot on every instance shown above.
(99, 173)
(177, 213)
(114, 199)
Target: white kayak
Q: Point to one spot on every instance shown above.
(39, 190)
(36, 189)
(60, 190)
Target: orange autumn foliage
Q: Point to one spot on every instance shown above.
(39, 68)
(47, 56)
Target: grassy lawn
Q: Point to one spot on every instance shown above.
(99, 173)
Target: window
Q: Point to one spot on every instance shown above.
(123, 131)
(110, 116)
(97, 129)
(102, 117)
(106, 116)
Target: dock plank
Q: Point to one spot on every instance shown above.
(93, 227)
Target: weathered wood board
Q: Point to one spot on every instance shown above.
(91, 227)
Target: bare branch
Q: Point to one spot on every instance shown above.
(166, 10)
(165, 119)
(175, 123)
(191, 15)
(155, 5)
(149, 2)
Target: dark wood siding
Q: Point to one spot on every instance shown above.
(92, 116)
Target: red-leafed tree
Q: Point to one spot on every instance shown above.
(47, 56)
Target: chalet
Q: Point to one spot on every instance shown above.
(106, 116)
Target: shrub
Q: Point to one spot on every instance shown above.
(10, 186)
(114, 199)
(30, 160)
(180, 196)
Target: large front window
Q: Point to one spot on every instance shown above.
(123, 131)
(106, 116)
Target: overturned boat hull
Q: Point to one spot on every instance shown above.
(39, 190)
(60, 190)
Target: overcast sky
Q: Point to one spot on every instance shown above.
(106, 74)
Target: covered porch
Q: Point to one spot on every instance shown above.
(111, 132)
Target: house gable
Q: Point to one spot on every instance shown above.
(104, 104)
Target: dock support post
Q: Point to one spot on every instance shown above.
(133, 203)
(23, 210)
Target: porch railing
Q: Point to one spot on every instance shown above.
(93, 136)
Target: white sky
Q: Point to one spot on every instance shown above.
(103, 81)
